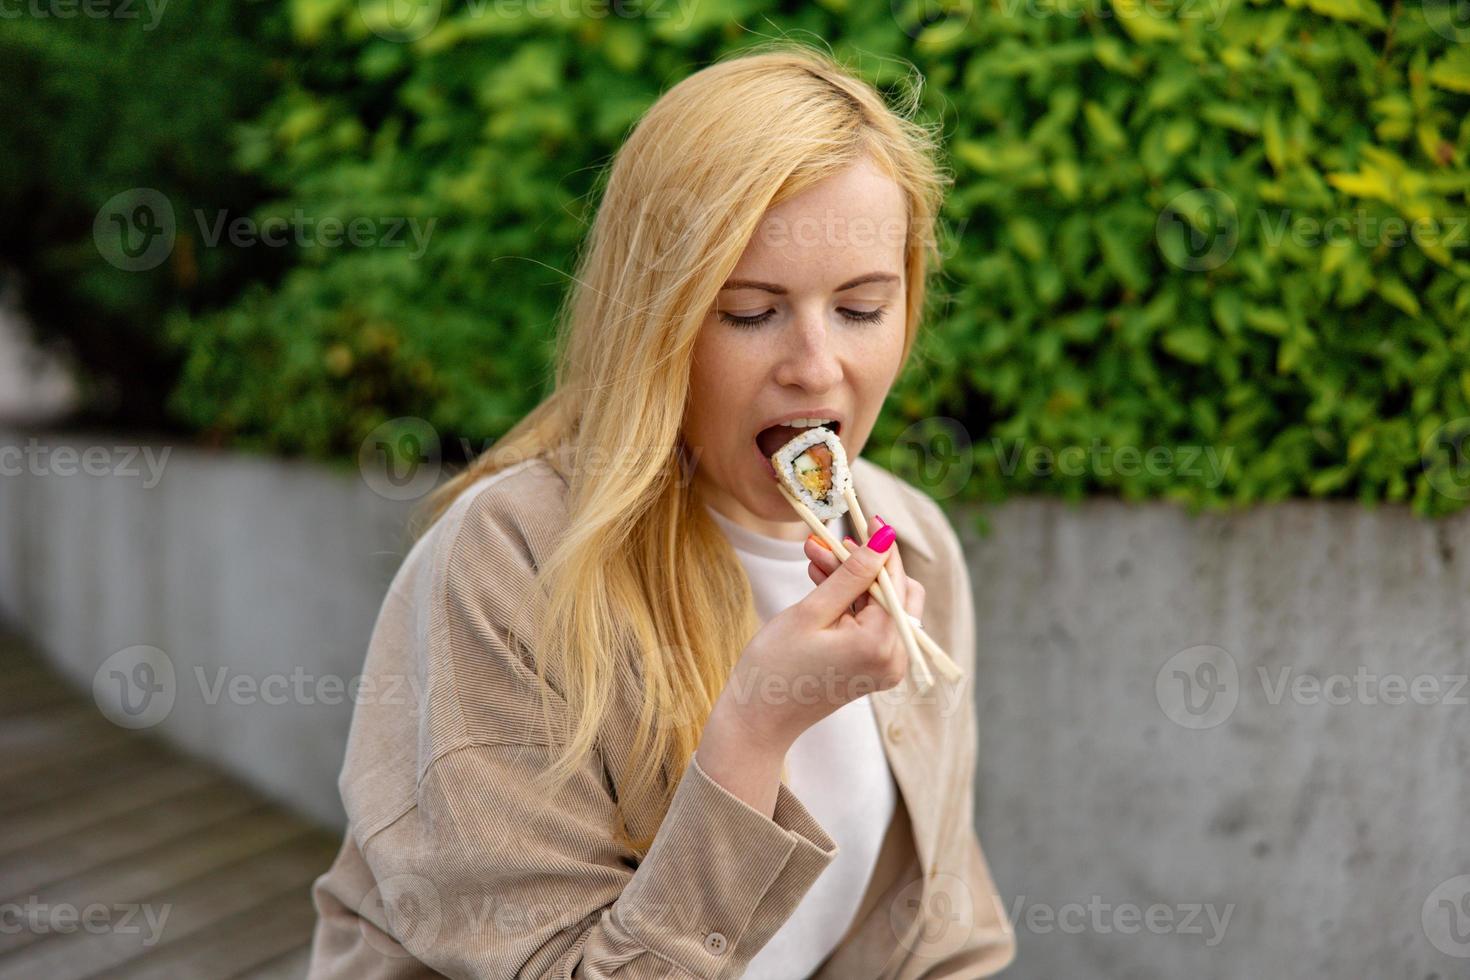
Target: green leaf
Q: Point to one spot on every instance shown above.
(1352, 11)
(1144, 22)
(1228, 115)
(1393, 290)
(1104, 127)
(1028, 237)
(1268, 320)
(1120, 255)
(1192, 344)
(1453, 70)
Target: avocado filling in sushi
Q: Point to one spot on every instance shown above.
(814, 469)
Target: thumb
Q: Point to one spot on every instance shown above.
(852, 578)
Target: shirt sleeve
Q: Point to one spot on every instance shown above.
(485, 876)
(499, 883)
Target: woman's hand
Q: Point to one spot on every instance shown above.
(824, 563)
(831, 647)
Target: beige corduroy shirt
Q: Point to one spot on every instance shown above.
(452, 865)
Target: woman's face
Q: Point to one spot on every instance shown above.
(809, 325)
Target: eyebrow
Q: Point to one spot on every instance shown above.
(779, 290)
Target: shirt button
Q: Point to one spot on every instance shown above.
(715, 942)
(895, 732)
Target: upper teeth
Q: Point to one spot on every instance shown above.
(808, 423)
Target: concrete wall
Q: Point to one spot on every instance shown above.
(1334, 821)
(1153, 805)
(238, 567)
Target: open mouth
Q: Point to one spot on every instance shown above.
(772, 438)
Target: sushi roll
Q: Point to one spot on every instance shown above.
(813, 466)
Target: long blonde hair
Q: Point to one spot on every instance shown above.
(641, 566)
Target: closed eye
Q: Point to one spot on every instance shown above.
(864, 316)
(746, 321)
(854, 316)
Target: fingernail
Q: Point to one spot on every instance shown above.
(883, 539)
(813, 538)
(847, 539)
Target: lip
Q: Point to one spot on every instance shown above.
(805, 413)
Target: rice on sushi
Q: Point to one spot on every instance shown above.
(813, 466)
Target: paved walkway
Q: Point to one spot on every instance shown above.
(121, 858)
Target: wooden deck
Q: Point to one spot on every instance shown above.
(120, 858)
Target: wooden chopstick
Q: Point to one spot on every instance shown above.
(905, 625)
(942, 661)
(923, 678)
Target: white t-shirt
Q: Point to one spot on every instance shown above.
(837, 769)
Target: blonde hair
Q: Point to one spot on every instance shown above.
(641, 566)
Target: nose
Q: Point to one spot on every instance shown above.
(808, 355)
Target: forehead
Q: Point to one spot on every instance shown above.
(850, 223)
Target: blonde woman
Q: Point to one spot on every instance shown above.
(655, 729)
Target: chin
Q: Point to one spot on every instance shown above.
(775, 508)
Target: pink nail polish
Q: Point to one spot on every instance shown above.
(883, 539)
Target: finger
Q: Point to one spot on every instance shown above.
(873, 617)
(821, 556)
(848, 581)
(914, 601)
(895, 563)
(861, 602)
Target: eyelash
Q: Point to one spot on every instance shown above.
(853, 316)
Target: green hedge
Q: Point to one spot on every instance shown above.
(104, 99)
(1134, 283)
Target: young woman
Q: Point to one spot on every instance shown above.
(617, 635)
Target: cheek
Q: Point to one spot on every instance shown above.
(875, 357)
(724, 379)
